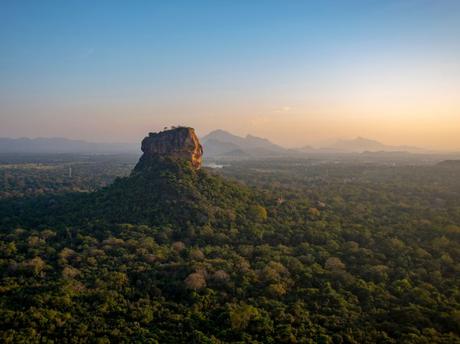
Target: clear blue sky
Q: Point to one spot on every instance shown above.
(113, 70)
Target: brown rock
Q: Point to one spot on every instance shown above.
(178, 143)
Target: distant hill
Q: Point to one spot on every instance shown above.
(214, 147)
(62, 145)
(221, 143)
(306, 149)
(361, 144)
(449, 163)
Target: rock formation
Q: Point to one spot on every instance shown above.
(177, 144)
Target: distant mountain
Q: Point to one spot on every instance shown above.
(305, 149)
(220, 143)
(62, 145)
(213, 147)
(360, 145)
(449, 163)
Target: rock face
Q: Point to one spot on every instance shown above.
(177, 144)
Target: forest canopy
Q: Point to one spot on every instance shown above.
(345, 253)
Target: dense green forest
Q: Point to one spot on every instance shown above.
(34, 175)
(273, 251)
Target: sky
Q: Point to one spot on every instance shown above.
(296, 72)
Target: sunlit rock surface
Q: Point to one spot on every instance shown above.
(177, 144)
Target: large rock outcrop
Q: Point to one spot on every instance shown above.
(176, 144)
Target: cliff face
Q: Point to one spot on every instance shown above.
(177, 144)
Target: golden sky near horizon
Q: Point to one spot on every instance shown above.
(419, 107)
(291, 126)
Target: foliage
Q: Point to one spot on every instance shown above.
(171, 255)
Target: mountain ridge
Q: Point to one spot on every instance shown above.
(361, 144)
(217, 143)
(222, 143)
(61, 145)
